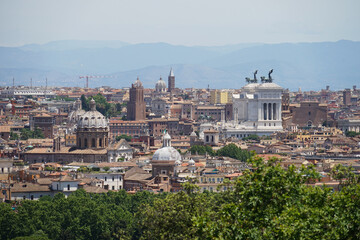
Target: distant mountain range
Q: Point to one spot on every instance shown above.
(305, 65)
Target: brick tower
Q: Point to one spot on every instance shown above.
(136, 105)
(171, 81)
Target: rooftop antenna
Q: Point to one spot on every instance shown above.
(13, 83)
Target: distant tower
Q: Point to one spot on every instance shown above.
(171, 81)
(347, 97)
(136, 105)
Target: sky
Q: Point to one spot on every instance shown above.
(179, 22)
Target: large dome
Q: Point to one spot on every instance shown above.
(166, 154)
(92, 118)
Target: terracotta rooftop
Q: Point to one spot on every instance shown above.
(29, 187)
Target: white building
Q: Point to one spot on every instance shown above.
(21, 92)
(256, 110)
(120, 151)
(110, 181)
(64, 184)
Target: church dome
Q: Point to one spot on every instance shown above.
(92, 118)
(137, 83)
(160, 85)
(193, 134)
(8, 106)
(191, 162)
(75, 115)
(166, 153)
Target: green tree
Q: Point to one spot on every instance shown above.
(233, 151)
(13, 135)
(252, 137)
(84, 103)
(345, 175)
(202, 150)
(123, 136)
(26, 133)
(351, 133)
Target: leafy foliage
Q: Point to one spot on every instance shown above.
(268, 202)
(252, 137)
(233, 151)
(26, 133)
(102, 105)
(14, 136)
(352, 134)
(201, 149)
(124, 136)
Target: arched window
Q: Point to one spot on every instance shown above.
(212, 138)
(85, 143)
(100, 142)
(207, 138)
(93, 142)
(309, 123)
(79, 144)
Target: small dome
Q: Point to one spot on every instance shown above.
(8, 106)
(191, 162)
(178, 162)
(167, 136)
(160, 85)
(193, 134)
(166, 154)
(74, 116)
(137, 83)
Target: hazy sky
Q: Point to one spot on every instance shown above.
(183, 22)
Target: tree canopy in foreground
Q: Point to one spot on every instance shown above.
(267, 203)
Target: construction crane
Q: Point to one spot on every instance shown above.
(93, 76)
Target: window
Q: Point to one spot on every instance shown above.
(68, 187)
(105, 179)
(113, 187)
(113, 179)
